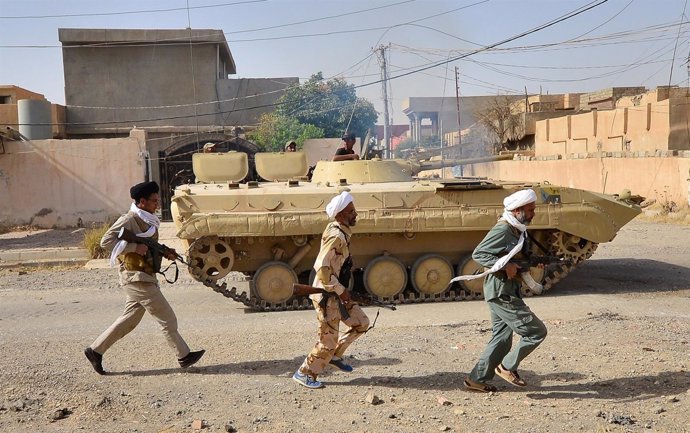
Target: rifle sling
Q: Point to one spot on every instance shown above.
(537, 243)
(344, 315)
(177, 272)
(375, 319)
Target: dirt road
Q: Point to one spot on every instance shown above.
(616, 358)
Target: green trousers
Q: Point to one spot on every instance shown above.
(508, 315)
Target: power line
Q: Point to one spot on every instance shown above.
(103, 14)
(321, 18)
(184, 40)
(553, 22)
(567, 16)
(676, 46)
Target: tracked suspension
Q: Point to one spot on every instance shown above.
(563, 245)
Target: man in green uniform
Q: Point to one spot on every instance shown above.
(509, 313)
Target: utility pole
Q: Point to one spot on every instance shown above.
(457, 103)
(386, 120)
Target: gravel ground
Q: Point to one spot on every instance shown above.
(616, 358)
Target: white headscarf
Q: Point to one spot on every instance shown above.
(519, 199)
(512, 202)
(149, 218)
(338, 203)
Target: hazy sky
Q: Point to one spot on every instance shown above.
(616, 43)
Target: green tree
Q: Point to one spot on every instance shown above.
(329, 105)
(275, 130)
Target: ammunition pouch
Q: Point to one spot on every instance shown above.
(346, 272)
(134, 262)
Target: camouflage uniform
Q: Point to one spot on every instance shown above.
(334, 251)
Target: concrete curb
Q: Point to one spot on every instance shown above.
(51, 255)
(43, 257)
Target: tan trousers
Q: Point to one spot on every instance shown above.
(142, 297)
(329, 344)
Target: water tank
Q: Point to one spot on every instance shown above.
(34, 119)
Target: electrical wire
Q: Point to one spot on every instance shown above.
(104, 14)
(670, 77)
(567, 16)
(183, 40)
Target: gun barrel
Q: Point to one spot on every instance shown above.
(305, 290)
(443, 163)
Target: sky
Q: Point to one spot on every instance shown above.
(498, 46)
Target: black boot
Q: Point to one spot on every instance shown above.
(191, 358)
(96, 360)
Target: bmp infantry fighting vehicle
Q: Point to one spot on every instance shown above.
(412, 234)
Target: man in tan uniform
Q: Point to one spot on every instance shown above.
(138, 279)
(335, 306)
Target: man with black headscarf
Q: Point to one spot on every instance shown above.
(138, 279)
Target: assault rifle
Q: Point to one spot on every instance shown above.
(158, 251)
(360, 298)
(535, 260)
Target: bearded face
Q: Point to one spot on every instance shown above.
(347, 216)
(525, 214)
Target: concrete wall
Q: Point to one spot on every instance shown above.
(679, 127)
(149, 76)
(645, 127)
(241, 96)
(51, 183)
(660, 178)
(139, 76)
(606, 98)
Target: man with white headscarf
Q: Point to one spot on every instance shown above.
(333, 267)
(138, 280)
(509, 313)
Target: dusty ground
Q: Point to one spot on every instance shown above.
(616, 358)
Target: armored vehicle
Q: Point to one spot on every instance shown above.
(412, 236)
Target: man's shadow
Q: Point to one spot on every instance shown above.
(269, 367)
(623, 388)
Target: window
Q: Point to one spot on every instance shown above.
(5, 99)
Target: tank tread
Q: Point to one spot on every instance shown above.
(304, 303)
(407, 297)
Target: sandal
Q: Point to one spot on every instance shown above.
(511, 377)
(479, 387)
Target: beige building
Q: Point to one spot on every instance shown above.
(524, 112)
(643, 144)
(175, 85)
(158, 80)
(9, 111)
(647, 122)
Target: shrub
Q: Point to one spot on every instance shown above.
(92, 241)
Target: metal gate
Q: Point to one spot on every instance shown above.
(176, 162)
